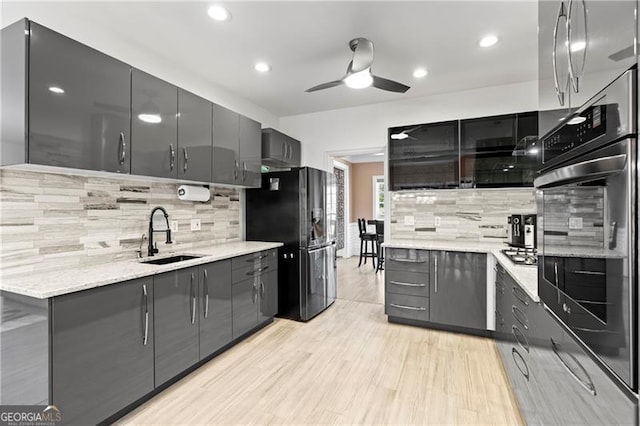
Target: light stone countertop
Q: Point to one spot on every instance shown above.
(525, 276)
(56, 283)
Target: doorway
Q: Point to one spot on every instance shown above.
(341, 172)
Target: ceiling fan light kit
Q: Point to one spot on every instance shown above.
(359, 74)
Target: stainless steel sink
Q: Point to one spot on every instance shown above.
(171, 259)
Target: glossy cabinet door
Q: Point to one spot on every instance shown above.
(268, 292)
(250, 148)
(294, 152)
(176, 323)
(154, 126)
(79, 105)
(458, 290)
(245, 306)
(215, 306)
(226, 127)
(280, 150)
(194, 137)
(102, 350)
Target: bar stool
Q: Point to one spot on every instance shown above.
(365, 239)
(379, 241)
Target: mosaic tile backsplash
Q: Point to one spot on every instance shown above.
(466, 214)
(54, 221)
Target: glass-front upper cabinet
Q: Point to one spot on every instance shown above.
(498, 151)
(424, 156)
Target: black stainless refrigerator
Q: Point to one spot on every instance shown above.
(298, 208)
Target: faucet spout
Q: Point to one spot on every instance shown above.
(153, 248)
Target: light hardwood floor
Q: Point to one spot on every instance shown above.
(346, 366)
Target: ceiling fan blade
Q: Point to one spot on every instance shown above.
(389, 85)
(362, 54)
(325, 86)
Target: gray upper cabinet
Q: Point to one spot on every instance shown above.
(250, 148)
(79, 105)
(102, 350)
(176, 323)
(593, 42)
(194, 137)
(215, 306)
(226, 156)
(458, 290)
(279, 150)
(154, 126)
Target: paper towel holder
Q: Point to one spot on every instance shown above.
(194, 193)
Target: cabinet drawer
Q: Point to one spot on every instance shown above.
(405, 306)
(409, 260)
(409, 283)
(244, 267)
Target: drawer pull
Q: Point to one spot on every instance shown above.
(588, 272)
(409, 260)
(588, 384)
(520, 316)
(407, 284)
(411, 308)
(253, 259)
(520, 338)
(524, 369)
(257, 271)
(520, 295)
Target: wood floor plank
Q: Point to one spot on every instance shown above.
(347, 366)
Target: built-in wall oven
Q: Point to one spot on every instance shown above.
(587, 219)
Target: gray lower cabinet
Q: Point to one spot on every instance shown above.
(245, 306)
(215, 306)
(268, 292)
(194, 137)
(554, 379)
(176, 323)
(154, 126)
(226, 127)
(79, 105)
(102, 350)
(250, 149)
(458, 291)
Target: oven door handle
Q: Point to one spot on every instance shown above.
(583, 172)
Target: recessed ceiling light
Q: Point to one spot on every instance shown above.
(488, 40)
(262, 67)
(219, 13)
(420, 72)
(359, 80)
(57, 90)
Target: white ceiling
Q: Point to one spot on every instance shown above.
(307, 43)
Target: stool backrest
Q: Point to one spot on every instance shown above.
(379, 227)
(362, 226)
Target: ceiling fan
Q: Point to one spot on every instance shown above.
(359, 74)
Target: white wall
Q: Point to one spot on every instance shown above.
(363, 128)
(107, 41)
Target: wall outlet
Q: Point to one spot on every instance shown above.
(575, 223)
(174, 226)
(437, 222)
(409, 220)
(195, 224)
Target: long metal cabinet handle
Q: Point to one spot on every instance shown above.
(145, 336)
(254, 292)
(520, 295)
(524, 372)
(235, 169)
(123, 148)
(186, 160)
(583, 172)
(407, 284)
(206, 293)
(261, 289)
(411, 308)
(193, 300)
(409, 260)
(573, 75)
(520, 317)
(520, 338)
(288, 150)
(262, 256)
(172, 157)
(435, 275)
(557, 282)
(244, 171)
(556, 80)
(588, 385)
(284, 150)
(578, 271)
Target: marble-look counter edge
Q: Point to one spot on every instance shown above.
(525, 276)
(57, 283)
